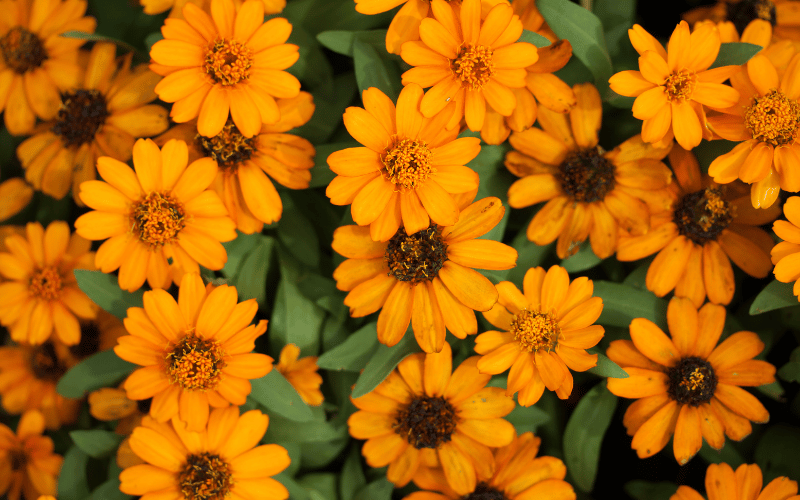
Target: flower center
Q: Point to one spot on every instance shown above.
(484, 492)
(228, 61)
(426, 422)
(82, 113)
(741, 13)
(408, 163)
(22, 50)
(773, 118)
(205, 477)
(691, 381)
(473, 66)
(18, 459)
(587, 176)
(229, 148)
(158, 218)
(45, 364)
(680, 85)
(701, 216)
(196, 364)
(418, 257)
(535, 330)
(46, 283)
(90, 340)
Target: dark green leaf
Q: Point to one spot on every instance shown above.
(374, 68)
(96, 443)
(320, 485)
(773, 391)
(296, 492)
(342, 42)
(274, 392)
(109, 491)
(533, 38)
(529, 255)
(645, 490)
(623, 303)
(728, 454)
(376, 490)
(790, 372)
(383, 362)
(104, 291)
(582, 260)
(527, 419)
(776, 452)
(237, 251)
(617, 16)
(353, 478)
(735, 54)
(584, 435)
(775, 295)
(72, 484)
(605, 367)
(319, 455)
(285, 430)
(251, 280)
(354, 353)
(93, 37)
(296, 233)
(330, 104)
(98, 370)
(321, 174)
(302, 318)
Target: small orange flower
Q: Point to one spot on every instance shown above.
(744, 484)
(109, 404)
(28, 465)
(786, 254)
(301, 373)
(15, 194)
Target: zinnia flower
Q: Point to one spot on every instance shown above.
(546, 332)
(301, 373)
(786, 254)
(229, 61)
(685, 385)
(706, 228)
(15, 194)
(165, 210)
(222, 460)
(589, 193)
(422, 414)
(28, 465)
(409, 170)
(424, 278)
(744, 484)
(42, 296)
(36, 62)
(672, 85)
(195, 352)
(101, 117)
(780, 17)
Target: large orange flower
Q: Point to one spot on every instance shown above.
(28, 465)
(722, 483)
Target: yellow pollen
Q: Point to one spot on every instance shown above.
(205, 477)
(716, 209)
(679, 86)
(228, 61)
(408, 163)
(773, 118)
(473, 66)
(158, 218)
(694, 381)
(46, 283)
(229, 148)
(535, 330)
(195, 364)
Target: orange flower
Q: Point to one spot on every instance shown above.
(221, 461)
(164, 210)
(705, 228)
(470, 62)
(15, 194)
(685, 385)
(409, 170)
(589, 193)
(175, 7)
(423, 414)
(672, 85)
(42, 295)
(229, 61)
(28, 465)
(195, 352)
(781, 17)
(109, 404)
(425, 278)
(301, 373)
(786, 254)
(36, 62)
(744, 484)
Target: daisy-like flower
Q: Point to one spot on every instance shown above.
(707, 227)
(164, 210)
(671, 86)
(685, 385)
(28, 466)
(744, 484)
(42, 295)
(100, 117)
(15, 194)
(247, 164)
(545, 333)
(195, 352)
(409, 170)
(425, 278)
(468, 61)
(589, 192)
(301, 373)
(222, 460)
(422, 413)
(36, 62)
(786, 254)
(175, 7)
(228, 63)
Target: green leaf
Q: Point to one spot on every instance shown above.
(274, 392)
(98, 370)
(529, 255)
(383, 362)
(251, 279)
(300, 319)
(342, 42)
(72, 484)
(237, 251)
(735, 54)
(623, 303)
(375, 68)
(353, 478)
(296, 492)
(533, 38)
(605, 367)
(527, 419)
(109, 491)
(790, 372)
(104, 291)
(321, 174)
(285, 430)
(96, 443)
(330, 104)
(617, 16)
(584, 435)
(376, 490)
(296, 233)
(775, 295)
(320, 485)
(728, 454)
(582, 260)
(354, 353)
(93, 37)
(776, 452)
(645, 490)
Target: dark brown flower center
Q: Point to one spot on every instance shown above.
(741, 13)
(45, 364)
(484, 492)
(228, 61)
(82, 113)
(18, 459)
(143, 405)
(473, 66)
(90, 340)
(205, 477)
(22, 50)
(229, 148)
(535, 330)
(773, 118)
(407, 163)
(426, 422)
(701, 216)
(587, 176)
(158, 218)
(418, 257)
(195, 363)
(691, 381)
(46, 283)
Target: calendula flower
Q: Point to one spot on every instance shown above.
(786, 254)
(222, 460)
(15, 194)
(36, 62)
(163, 210)
(247, 164)
(422, 413)
(175, 7)
(409, 170)
(42, 295)
(685, 385)
(425, 278)
(301, 373)
(706, 228)
(545, 333)
(672, 86)
(195, 352)
(28, 466)
(101, 116)
(589, 192)
(228, 63)
(744, 484)
(470, 62)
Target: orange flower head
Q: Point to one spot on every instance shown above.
(423, 414)
(545, 333)
(745, 483)
(301, 373)
(226, 63)
(784, 254)
(28, 466)
(221, 460)
(778, 19)
(688, 385)
(15, 194)
(109, 404)
(425, 278)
